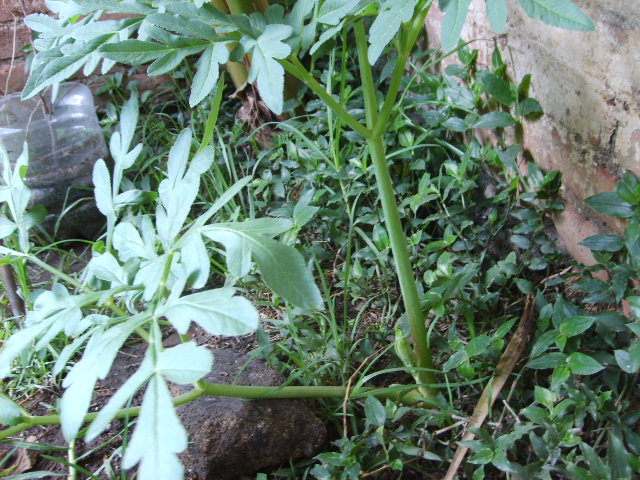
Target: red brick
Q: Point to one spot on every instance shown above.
(10, 9)
(13, 37)
(16, 75)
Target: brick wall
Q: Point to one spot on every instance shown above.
(588, 84)
(14, 36)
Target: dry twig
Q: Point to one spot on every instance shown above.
(505, 366)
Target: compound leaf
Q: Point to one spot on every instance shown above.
(218, 311)
(159, 436)
(207, 72)
(267, 48)
(391, 14)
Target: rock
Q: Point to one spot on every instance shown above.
(232, 437)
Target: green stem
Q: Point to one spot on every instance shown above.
(244, 391)
(366, 77)
(404, 269)
(408, 40)
(295, 67)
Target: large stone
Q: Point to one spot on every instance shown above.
(232, 437)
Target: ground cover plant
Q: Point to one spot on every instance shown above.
(427, 180)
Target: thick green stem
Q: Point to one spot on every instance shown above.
(409, 36)
(295, 67)
(399, 247)
(370, 101)
(404, 270)
(244, 391)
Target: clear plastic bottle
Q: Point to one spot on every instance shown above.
(65, 140)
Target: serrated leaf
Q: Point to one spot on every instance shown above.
(116, 6)
(129, 244)
(101, 350)
(333, 11)
(177, 51)
(455, 15)
(45, 25)
(185, 363)
(284, 271)
(391, 15)
(326, 36)
(218, 311)
(497, 14)
(62, 65)
(106, 267)
(581, 364)
(265, 68)
(158, 437)
(559, 13)
(133, 52)
(207, 72)
(187, 26)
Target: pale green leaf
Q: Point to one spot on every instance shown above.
(207, 72)
(133, 52)
(267, 49)
(333, 11)
(188, 26)
(129, 244)
(218, 311)
(158, 436)
(455, 14)
(391, 14)
(259, 226)
(559, 13)
(120, 398)
(106, 267)
(195, 258)
(284, 271)
(62, 64)
(185, 363)
(101, 350)
(10, 413)
(102, 189)
(17, 343)
(237, 249)
(326, 36)
(497, 14)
